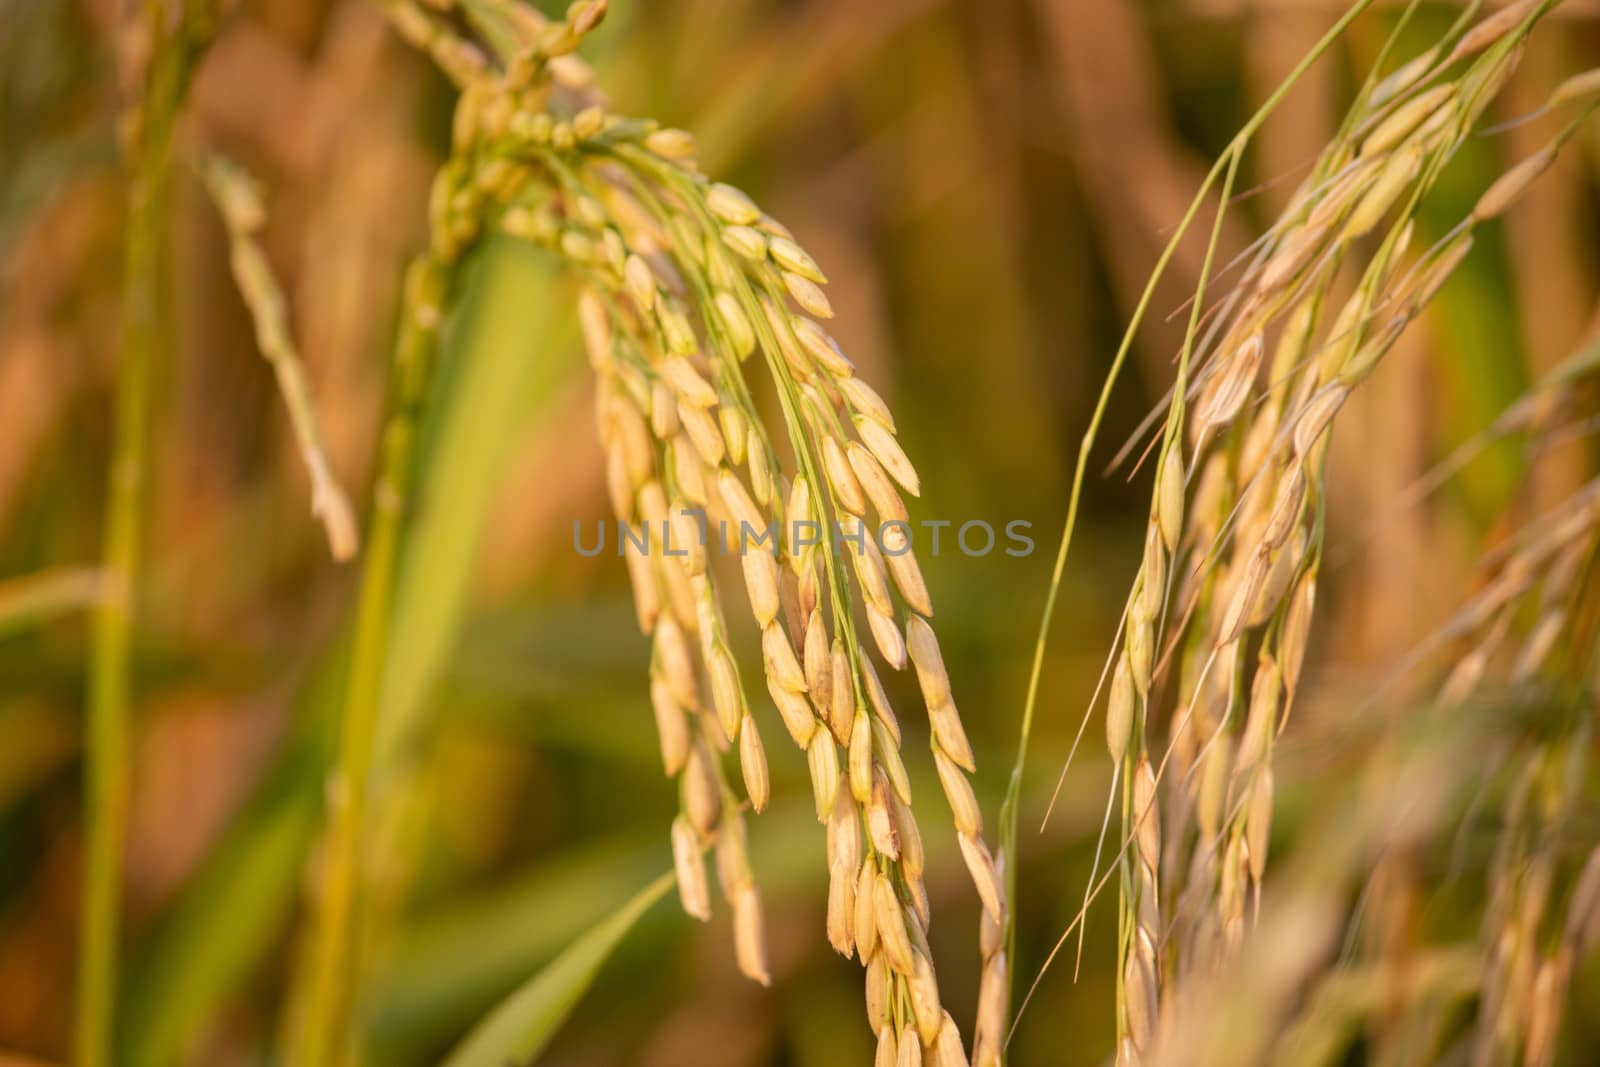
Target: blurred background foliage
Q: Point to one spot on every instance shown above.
(987, 185)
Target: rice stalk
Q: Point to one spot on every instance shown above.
(177, 37)
(321, 1031)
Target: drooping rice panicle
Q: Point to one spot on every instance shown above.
(685, 280)
(1231, 557)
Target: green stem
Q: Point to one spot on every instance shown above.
(324, 1030)
(106, 774)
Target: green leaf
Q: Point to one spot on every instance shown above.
(509, 349)
(520, 1026)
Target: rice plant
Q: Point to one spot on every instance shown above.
(1314, 857)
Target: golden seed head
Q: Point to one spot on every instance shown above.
(741, 508)
(1214, 775)
(671, 727)
(886, 449)
(1392, 180)
(880, 820)
(1120, 709)
(866, 926)
(844, 835)
(778, 655)
(685, 540)
(949, 735)
(887, 752)
(1140, 653)
(725, 693)
(675, 329)
(859, 759)
(791, 257)
(889, 920)
(795, 711)
(1258, 822)
(958, 791)
(907, 573)
(818, 663)
(1578, 87)
(1169, 498)
(925, 1006)
(760, 579)
(1511, 184)
(1491, 29)
(924, 649)
(1402, 78)
(749, 243)
(690, 869)
(735, 428)
(1146, 813)
(672, 657)
(670, 143)
(887, 637)
(753, 764)
(878, 698)
(1296, 629)
(842, 478)
(640, 282)
(646, 597)
(1316, 416)
(815, 340)
(823, 759)
(702, 796)
(733, 856)
(875, 484)
(741, 335)
(841, 909)
(865, 401)
(887, 1053)
(808, 294)
(985, 875)
(663, 411)
(731, 205)
(799, 503)
(750, 936)
(1139, 985)
(688, 382)
(842, 711)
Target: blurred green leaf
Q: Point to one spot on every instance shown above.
(504, 352)
(522, 1024)
(511, 348)
(230, 916)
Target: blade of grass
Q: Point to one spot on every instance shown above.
(144, 258)
(233, 913)
(519, 1028)
(504, 321)
(504, 376)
